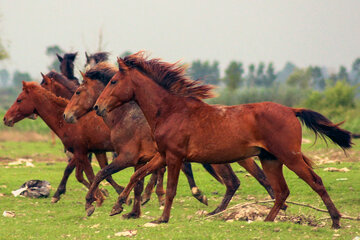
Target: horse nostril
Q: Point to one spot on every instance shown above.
(96, 107)
(4, 119)
(64, 116)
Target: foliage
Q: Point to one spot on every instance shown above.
(19, 77)
(51, 51)
(207, 72)
(233, 75)
(4, 77)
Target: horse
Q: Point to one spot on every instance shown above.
(67, 66)
(186, 128)
(95, 58)
(129, 118)
(79, 139)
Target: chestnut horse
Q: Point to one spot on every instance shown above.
(78, 139)
(95, 80)
(67, 66)
(54, 82)
(185, 127)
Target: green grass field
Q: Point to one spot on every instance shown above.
(39, 219)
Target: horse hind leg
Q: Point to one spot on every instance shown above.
(196, 192)
(301, 166)
(273, 171)
(231, 182)
(160, 192)
(136, 210)
(149, 189)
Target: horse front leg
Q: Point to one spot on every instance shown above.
(174, 164)
(62, 186)
(155, 163)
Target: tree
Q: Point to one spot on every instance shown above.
(300, 78)
(251, 76)
(51, 51)
(205, 71)
(233, 75)
(19, 77)
(343, 75)
(356, 71)
(317, 78)
(260, 75)
(4, 77)
(270, 75)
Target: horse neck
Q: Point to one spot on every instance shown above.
(68, 70)
(50, 112)
(153, 100)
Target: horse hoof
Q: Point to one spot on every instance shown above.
(105, 192)
(131, 215)
(335, 226)
(204, 200)
(199, 196)
(90, 210)
(54, 200)
(213, 212)
(115, 211)
(159, 221)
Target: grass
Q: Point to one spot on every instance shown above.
(39, 219)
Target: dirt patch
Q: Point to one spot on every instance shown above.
(258, 212)
(21, 136)
(323, 156)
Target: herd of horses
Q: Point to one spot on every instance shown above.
(152, 116)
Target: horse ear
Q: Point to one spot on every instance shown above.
(83, 76)
(46, 78)
(87, 57)
(122, 66)
(25, 86)
(73, 56)
(59, 57)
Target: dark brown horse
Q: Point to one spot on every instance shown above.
(78, 139)
(67, 66)
(95, 58)
(122, 121)
(185, 127)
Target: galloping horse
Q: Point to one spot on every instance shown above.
(78, 139)
(186, 128)
(129, 118)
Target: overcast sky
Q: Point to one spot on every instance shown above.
(325, 33)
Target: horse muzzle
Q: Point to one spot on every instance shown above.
(100, 111)
(8, 122)
(69, 118)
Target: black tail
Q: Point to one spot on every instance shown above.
(213, 173)
(323, 126)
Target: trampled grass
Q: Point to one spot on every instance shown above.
(39, 219)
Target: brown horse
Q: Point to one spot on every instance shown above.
(185, 127)
(67, 66)
(78, 139)
(121, 121)
(94, 82)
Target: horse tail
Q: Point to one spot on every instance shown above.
(212, 172)
(322, 126)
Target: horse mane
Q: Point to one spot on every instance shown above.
(170, 76)
(99, 57)
(102, 72)
(62, 102)
(68, 60)
(60, 78)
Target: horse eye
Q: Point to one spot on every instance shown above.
(113, 82)
(77, 92)
(18, 100)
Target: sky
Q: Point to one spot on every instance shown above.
(324, 33)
